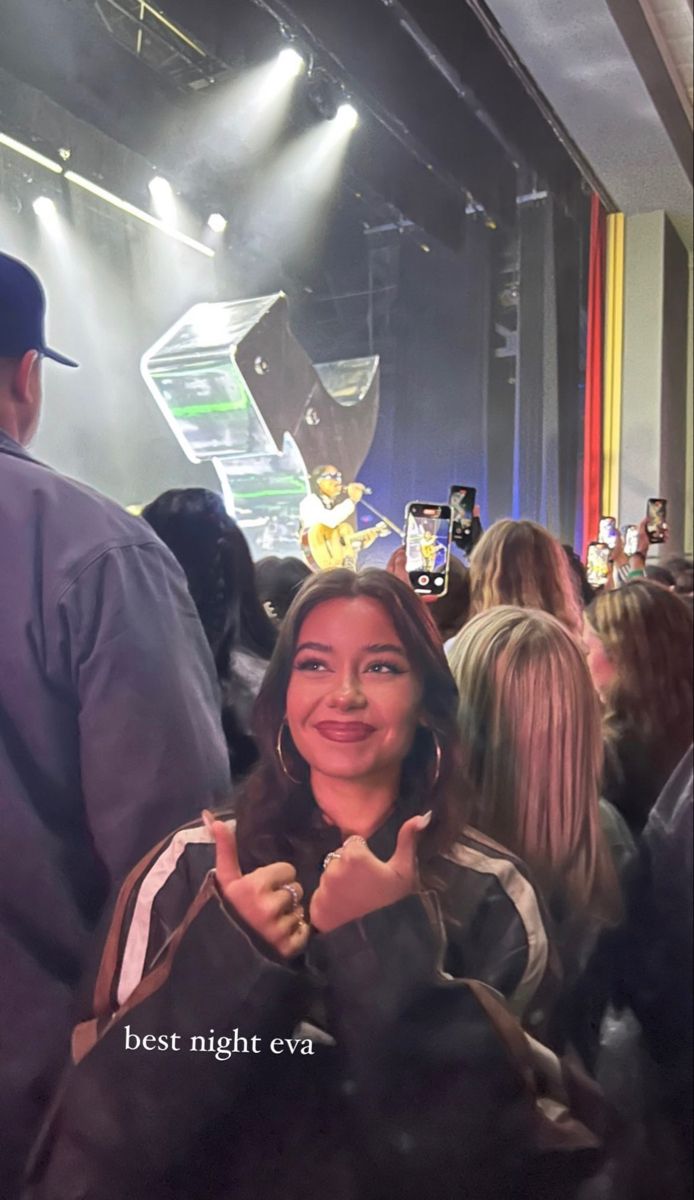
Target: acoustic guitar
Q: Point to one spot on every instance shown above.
(325, 549)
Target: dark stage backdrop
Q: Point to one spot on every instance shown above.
(549, 375)
(432, 426)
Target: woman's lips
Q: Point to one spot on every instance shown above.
(344, 731)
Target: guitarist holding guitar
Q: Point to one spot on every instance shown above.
(328, 537)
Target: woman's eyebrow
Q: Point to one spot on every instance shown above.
(322, 649)
(385, 648)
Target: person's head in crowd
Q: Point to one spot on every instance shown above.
(678, 562)
(682, 570)
(661, 575)
(277, 581)
(449, 612)
(531, 734)
(20, 396)
(639, 641)
(585, 592)
(519, 562)
(214, 554)
(357, 714)
(684, 587)
(22, 348)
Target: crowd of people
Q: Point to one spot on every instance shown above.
(314, 889)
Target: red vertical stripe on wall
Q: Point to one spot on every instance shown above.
(592, 429)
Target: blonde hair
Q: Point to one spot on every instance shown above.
(519, 562)
(647, 632)
(531, 732)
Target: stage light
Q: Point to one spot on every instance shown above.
(44, 207)
(347, 116)
(160, 187)
(29, 152)
(216, 222)
(291, 64)
(133, 211)
(163, 199)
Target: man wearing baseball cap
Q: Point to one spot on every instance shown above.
(110, 732)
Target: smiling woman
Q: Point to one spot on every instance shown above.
(360, 704)
(349, 905)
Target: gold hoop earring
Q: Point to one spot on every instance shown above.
(280, 755)
(437, 752)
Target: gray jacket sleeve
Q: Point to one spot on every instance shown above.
(152, 751)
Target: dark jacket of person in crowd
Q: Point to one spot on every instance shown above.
(646, 966)
(214, 554)
(109, 732)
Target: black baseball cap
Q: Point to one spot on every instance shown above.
(22, 313)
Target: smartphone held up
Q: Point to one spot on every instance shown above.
(462, 503)
(630, 538)
(598, 564)
(607, 533)
(428, 547)
(656, 520)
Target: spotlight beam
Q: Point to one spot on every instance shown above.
(133, 211)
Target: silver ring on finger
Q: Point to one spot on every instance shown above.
(290, 887)
(330, 858)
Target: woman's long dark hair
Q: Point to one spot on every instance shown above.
(273, 806)
(214, 554)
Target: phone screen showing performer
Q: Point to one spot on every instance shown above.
(598, 564)
(608, 532)
(630, 537)
(462, 502)
(428, 547)
(656, 520)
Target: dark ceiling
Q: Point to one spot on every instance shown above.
(447, 120)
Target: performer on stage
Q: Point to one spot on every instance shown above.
(328, 536)
(433, 552)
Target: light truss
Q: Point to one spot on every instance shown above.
(145, 31)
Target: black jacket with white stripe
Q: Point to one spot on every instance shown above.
(402, 1088)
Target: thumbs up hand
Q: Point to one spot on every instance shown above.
(268, 899)
(355, 882)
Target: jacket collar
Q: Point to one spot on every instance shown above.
(9, 446)
(381, 842)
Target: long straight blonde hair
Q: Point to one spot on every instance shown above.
(530, 728)
(519, 562)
